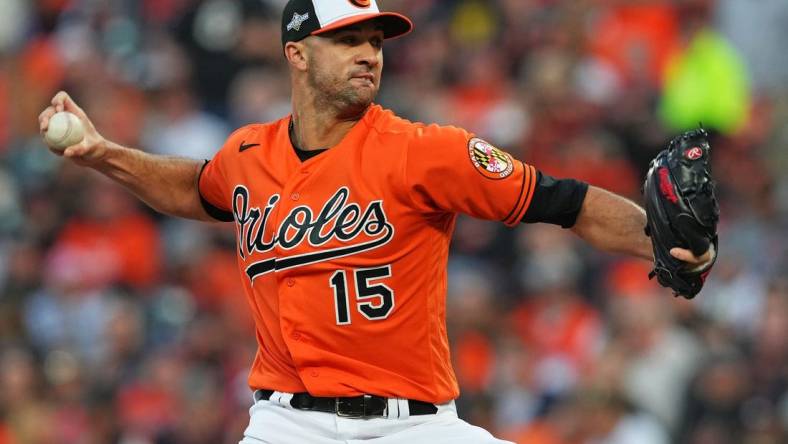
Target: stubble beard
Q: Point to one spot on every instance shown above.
(338, 94)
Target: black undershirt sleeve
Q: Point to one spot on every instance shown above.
(556, 201)
(212, 210)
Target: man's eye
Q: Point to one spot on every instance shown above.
(348, 40)
(377, 43)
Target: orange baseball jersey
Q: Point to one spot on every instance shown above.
(343, 256)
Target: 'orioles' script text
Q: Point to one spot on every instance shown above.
(338, 220)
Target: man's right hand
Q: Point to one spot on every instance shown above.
(167, 183)
(91, 150)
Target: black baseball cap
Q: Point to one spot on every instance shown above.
(302, 18)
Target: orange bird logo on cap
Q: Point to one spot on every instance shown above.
(361, 3)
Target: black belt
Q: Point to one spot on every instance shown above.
(364, 406)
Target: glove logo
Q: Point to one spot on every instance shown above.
(666, 187)
(694, 153)
(489, 161)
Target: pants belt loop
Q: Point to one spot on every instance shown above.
(404, 408)
(282, 399)
(392, 412)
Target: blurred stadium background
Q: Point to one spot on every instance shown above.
(118, 325)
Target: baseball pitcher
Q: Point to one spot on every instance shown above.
(343, 215)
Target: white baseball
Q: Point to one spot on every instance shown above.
(65, 129)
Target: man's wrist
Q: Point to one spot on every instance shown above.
(106, 151)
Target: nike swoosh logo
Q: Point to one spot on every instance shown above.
(246, 146)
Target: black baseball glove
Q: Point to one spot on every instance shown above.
(682, 211)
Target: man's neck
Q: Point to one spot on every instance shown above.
(317, 126)
(314, 131)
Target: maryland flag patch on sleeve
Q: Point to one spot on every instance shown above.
(490, 161)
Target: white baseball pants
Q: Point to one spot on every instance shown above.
(275, 421)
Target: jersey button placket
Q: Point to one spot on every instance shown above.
(290, 282)
(295, 196)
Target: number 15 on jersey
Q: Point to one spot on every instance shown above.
(374, 300)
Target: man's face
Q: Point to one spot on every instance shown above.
(345, 66)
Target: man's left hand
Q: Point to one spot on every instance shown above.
(694, 262)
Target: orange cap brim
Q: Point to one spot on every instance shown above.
(394, 25)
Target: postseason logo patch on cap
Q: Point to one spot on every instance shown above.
(297, 20)
(491, 162)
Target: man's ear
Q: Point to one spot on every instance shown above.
(296, 54)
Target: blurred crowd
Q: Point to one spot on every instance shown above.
(118, 325)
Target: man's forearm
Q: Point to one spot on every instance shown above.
(613, 223)
(166, 184)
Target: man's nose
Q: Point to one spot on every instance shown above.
(368, 55)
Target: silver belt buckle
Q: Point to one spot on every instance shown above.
(340, 403)
(358, 413)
